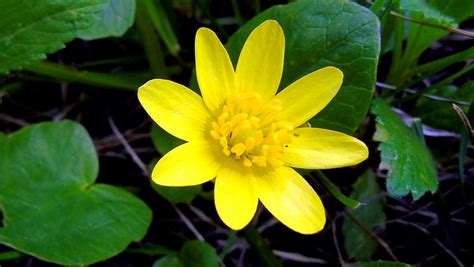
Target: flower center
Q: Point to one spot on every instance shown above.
(247, 130)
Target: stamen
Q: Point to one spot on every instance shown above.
(247, 130)
(238, 150)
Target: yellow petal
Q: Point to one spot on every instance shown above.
(314, 148)
(214, 70)
(177, 109)
(261, 60)
(291, 200)
(188, 164)
(234, 193)
(307, 96)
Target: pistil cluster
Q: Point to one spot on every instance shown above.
(247, 130)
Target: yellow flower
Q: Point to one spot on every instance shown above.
(247, 137)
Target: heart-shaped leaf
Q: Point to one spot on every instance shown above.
(326, 33)
(196, 253)
(114, 20)
(29, 30)
(52, 209)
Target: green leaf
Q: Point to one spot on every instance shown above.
(444, 12)
(52, 209)
(162, 140)
(114, 20)
(326, 33)
(168, 261)
(441, 115)
(162, 25)
(28, 31)
(164, 143)
(379, 264)
(182, 194)
(348, 202)
(409, 163)
(126, 81)
(422, 10)
(197, 253)
(357, 243)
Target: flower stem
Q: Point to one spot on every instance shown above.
(151, 42)
(258, 243)
(97, 79)
(10, 255)
(349, 202)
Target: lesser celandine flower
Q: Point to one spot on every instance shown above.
(245, 136)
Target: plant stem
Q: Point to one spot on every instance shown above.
(399, 28)
(98, 79)
(351, 203)
(238, 16)
(161, 23)
(224, 36)
(443, 82)
(151, 42)
(256, 241)
(230, 241)
(437, 65)
(10, 255)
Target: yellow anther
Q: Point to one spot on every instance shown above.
(238, 150)
(226, 128)
(215, 135)
(247, 130)
(258, 137)
(222, 118)
(269, 118)
(249, 143)
(286, 125)
(223, 142)
(247, 162)
(238, 118)
(275, 162)
(240, 128)
(255, 122)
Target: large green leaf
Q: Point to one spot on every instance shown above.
(408, 161)
(197, 253)
(357, 243)
(29, 29)
(326, 33)
(114, 20)
(52, 209)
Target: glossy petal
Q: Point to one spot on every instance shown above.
(214, 70)
(177, 109)
(314, 148)
(260, 64)
(291, 200)
(307, 96)
(235, 196)
(188, 164)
